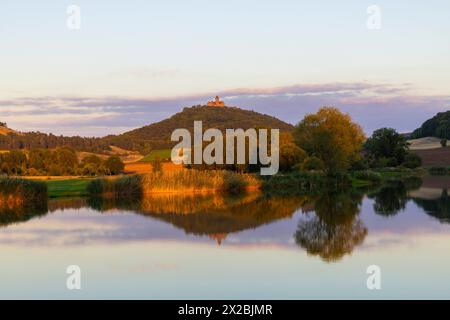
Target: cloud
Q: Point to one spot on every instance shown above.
(373, 105)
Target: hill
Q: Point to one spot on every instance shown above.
(4, 130)
(157, 135)
(147, 138)
(438, 126)
(425, 143)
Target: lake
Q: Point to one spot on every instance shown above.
(247, 247)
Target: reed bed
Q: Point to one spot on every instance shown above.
(19, 192)
(183, 181)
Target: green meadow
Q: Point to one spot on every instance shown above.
(162, 154)
(67, 187)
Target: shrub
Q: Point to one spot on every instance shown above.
(367, 175)
(114, 165)
(412, 161)
(360, 165)
(443, 143)
(119, 187)
(233, 183)
(386, 162)
(312, 163)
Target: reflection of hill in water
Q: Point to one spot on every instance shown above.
(438, 208)
(211, 214)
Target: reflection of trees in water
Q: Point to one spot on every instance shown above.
(66, 203)
(438, 208)
(335, 229)
(392, 196)
(11, 214)
(214, 215)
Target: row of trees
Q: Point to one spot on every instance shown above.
(329, 141)
(61, 161)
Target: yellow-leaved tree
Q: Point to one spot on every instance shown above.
(332, 137)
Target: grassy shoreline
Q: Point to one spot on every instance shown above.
(198, 182)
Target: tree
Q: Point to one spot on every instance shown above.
(65, 161)
(335, 229)
(114, 165)
(386, 146)
(92, 165)
(443, 143)
(331, 136)
(290, 153)
(412, 161)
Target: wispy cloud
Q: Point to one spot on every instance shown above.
(373, 105)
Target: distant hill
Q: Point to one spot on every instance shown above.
(438, 126)
(4, 131)
(157, 135)
(154, 136)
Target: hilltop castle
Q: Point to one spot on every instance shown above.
(216, 103)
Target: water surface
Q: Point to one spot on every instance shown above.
(253, 246)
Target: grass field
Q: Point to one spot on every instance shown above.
(67, 188)
(163, 154)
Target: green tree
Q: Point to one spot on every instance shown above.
(65, 161)
(386, 143)
(290, 154)
(331, 136)
(114, 165)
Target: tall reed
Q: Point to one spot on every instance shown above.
(14, 191)
(183, 181)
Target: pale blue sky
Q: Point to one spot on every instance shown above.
(144, 60)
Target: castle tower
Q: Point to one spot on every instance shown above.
(216, 103)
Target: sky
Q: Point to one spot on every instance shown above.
(133, 62)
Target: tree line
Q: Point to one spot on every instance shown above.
(57, 162)
(329, 141)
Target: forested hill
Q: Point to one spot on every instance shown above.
(154, 136)
(438, 126)
(157, 135)
(29, 140)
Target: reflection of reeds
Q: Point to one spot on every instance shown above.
(209, 213)
(21, 199)
(21, 192)
(183, 181)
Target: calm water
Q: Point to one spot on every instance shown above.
(255, 247)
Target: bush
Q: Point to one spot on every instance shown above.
(119, 187)
(443, 143)
(233, 183)
(114, 165)
(386, 162)
(360, 165)
(412, 161)
(367, 175)
(312, 163)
